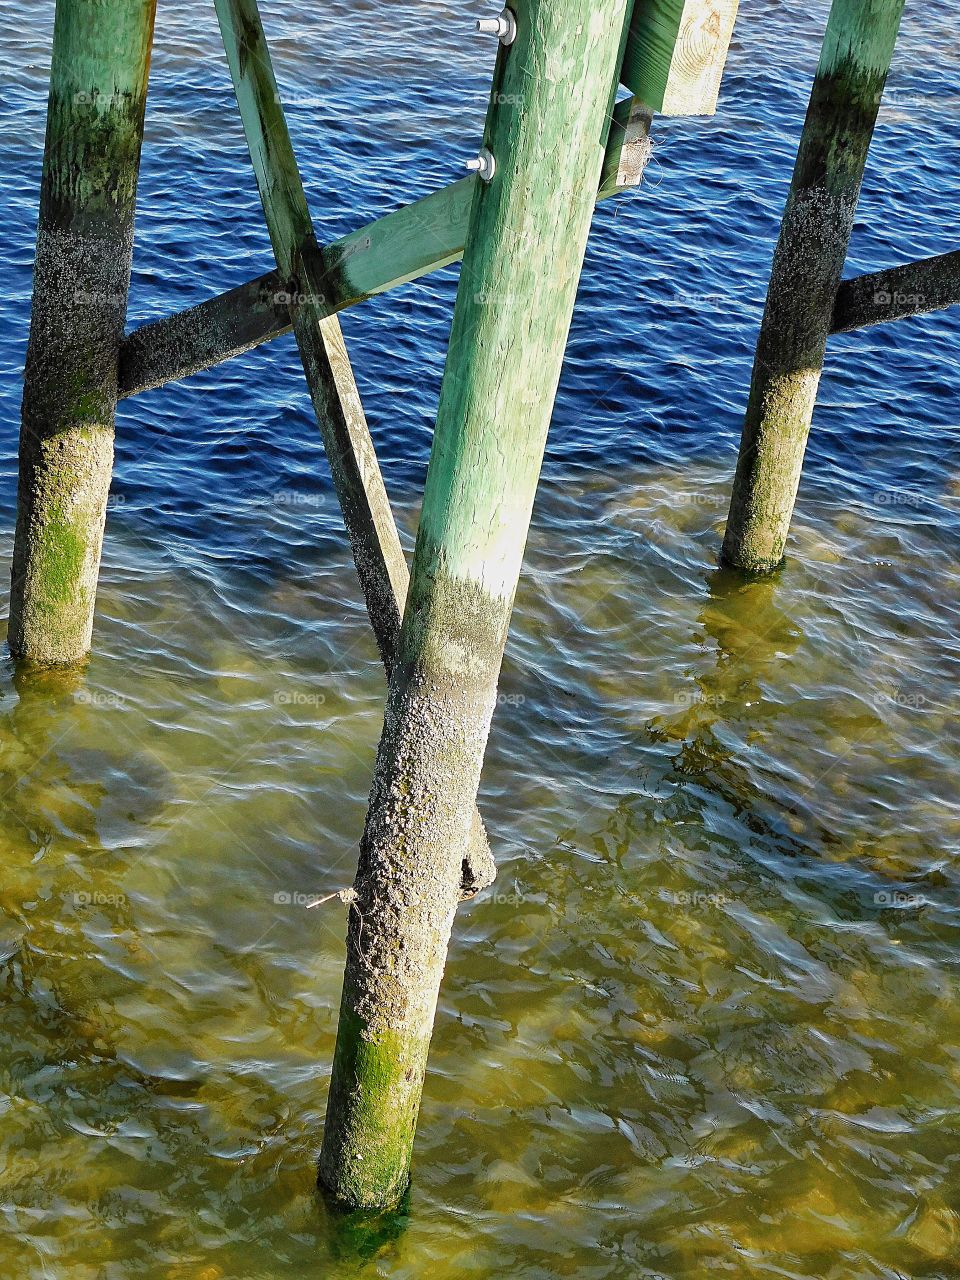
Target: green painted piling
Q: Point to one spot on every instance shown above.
(807, 264)
(98, 86)
(546, 128)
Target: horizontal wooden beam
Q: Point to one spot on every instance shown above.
(205, 335)
(403, 246)
(676, 53)
(927, 285)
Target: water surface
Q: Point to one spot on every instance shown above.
(707, 1020)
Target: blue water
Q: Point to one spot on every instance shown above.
(706, 1022)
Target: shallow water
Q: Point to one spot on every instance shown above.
(707, 1020)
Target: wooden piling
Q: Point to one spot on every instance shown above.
(524, 248)
(98, 85)
(807, 265)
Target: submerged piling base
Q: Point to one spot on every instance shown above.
(64, 485)
(408, 888)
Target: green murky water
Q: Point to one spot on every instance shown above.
(707, 1019)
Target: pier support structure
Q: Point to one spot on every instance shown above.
(98, 86)
(555, 143)
(805, 278)
(546, 130)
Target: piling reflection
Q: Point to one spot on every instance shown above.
(362, 1236)
(747, 632)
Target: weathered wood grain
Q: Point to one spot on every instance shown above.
(676, 54)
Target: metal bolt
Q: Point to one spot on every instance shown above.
(504, 27)
(484, 164)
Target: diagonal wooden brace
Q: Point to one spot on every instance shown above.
(377, 552)
(897, 293)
